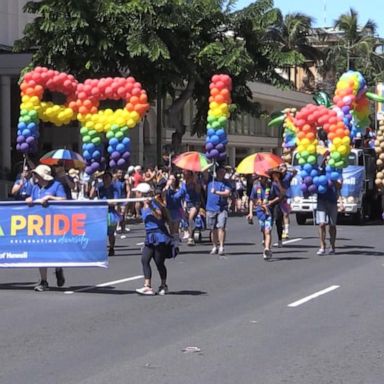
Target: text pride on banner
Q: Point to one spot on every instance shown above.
(62, 234)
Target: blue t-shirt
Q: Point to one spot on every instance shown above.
(110, 192)
(151, 222)
(173, 200)
(216, 203)
(25, 191)
(54, 188)
(120, 186)
(286, 183)
(330, 195)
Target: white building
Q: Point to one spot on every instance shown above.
(246, 134)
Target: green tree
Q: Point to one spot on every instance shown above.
(354, 47)
(172, 47)
(292, 34)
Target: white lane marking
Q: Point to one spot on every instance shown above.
(139, 243)
(292, 240)
(289, 241)
(313, 296)
(107, 284)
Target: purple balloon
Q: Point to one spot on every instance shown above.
(209, 156)
(30, 140)
(308, 180)
(88, 170)
(312, 188)
(18, 147)
(121, 163)
(220, 147)
(126, 155)
(214, 153)
(304, 188)
(112, 164)
(345, 109)
(115, 156)
(24, 147)
(208, 147)
(222, 156)
(20, 139)
(95, 166)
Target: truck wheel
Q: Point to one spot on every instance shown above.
(300, 219)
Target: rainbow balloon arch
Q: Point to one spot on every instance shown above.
(82, 104)
(343, 123)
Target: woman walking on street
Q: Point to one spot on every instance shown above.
(158, 244)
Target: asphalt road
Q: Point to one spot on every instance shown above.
(299, 318)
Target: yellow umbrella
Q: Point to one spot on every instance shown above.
(259, 163)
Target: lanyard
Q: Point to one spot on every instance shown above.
(259, 194)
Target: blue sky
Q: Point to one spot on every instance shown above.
(329, 10)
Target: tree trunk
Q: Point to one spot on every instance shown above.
(175, 115)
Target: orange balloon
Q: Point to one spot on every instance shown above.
(339, 132)
(219, 99)
(134, 100)
(214, 91)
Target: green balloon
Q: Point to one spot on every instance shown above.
(304, 154)
(92, 132)
(114, 127)
(311, 159)
(301, 161)
(86, 139)
(109, 135)
(211, 119)
(339, 164)
(119, 135)
(33, 114)
(96, 140)
(331, 162)
(124, 129)
(336, 156)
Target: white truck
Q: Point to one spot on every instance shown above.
(358, 192)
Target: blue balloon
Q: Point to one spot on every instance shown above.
(323, 180)
(210, 132)
(87, 155)
(22, 125)
(96, 155)
(110, 149)
(303, 174)
(321, 189)
(126, 141)
(31, 126)
(26, 133)
(120, 148)
(307, 168)
(220, 132)
(215, 139)
(335, 176)
(314, 173)
(316, 180)
(113, 141)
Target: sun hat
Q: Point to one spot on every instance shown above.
(73, 172)
(44, 172)
(143, 188)
(131, 168)
(138, 168)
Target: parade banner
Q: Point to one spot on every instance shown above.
(353, 181)
(61, 234)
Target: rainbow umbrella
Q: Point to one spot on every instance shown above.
(259, 163)
(68, 158)
(192, 161)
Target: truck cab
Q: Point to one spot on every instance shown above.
(357, 192)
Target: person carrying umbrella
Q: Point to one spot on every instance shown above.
(261, 201)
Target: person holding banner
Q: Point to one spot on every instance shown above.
(158, 243)
(44, 190)
(108, 190)
(23, 185)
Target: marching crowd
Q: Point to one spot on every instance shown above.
(175, 206)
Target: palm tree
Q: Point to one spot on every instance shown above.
(292, 34)
(355, 47)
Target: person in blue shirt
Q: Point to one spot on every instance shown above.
(44, 190)
(158, 244)
(326, 214)
(174, 206)
(218, 192)
(23, 185)
(190, 191)
(104, 191)
(263, 197)
(122, 186)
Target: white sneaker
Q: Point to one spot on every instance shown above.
(186, 236)
(213, 251)
(163, 290)
(221, 251)
(321, 251)
(267, 254)
(191, 241)
(148, 291)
